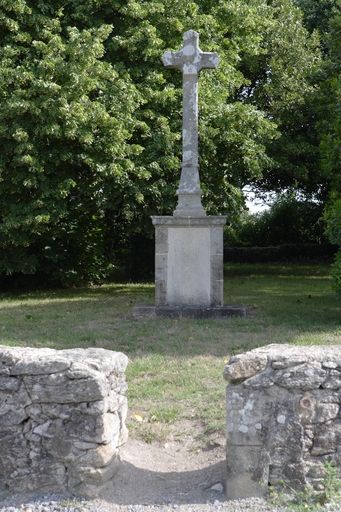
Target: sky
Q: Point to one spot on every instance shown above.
(254, 205)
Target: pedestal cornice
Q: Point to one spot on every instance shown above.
(210, 220)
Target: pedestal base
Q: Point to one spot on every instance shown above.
(189, 261)
(150, 310)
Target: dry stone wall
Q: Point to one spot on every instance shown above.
(283, 417)
(62, 419)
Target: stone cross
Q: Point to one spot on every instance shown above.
(190, 60)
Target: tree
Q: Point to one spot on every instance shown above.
(283, 85)
(330, 128)
(65, 122)
(317, 14)
(90, 120)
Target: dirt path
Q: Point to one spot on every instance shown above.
(153, 474)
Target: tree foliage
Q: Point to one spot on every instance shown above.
(331, 138)
(317, 14)
(66, 117)
(289, 220)
(90, 121)
(286, 91)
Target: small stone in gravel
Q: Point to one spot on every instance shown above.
(217, 487)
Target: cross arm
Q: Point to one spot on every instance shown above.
(172, 60)
(209, 60)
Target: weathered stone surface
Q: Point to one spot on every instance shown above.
(66, 411)
(32, 361)
(283, 356)
(114, 402)
(100, 456)
(56, 387)
(261, 380)
(295, 474)
(190, 60)
(8, 358)
(14, 450)
(189, 245)
(188, 268)
(8, 383)
(106, 361)
(244, 418)
(305, 376)
(243, 366)
(62, 418)
(123, 437)
(315, 470)
(42, 364)
(88, 482)
(289, 362)
(327, 438)
(197, 312)
(44, 474)
(118, 382)
(334, 379)
(122, 409)
(98, 476)
(99, 429)
(12, 406)
(246, 468)
(283, 410)
(317, 412)
(35, 413)
(24, 360)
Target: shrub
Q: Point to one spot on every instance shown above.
(332, 217)
(290, 220)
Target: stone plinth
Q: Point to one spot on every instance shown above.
(189, 261)
(150, 310)
(62, 419)
(189, 269)
(283, 418)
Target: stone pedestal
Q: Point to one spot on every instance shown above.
(189, 261)
(189, 269)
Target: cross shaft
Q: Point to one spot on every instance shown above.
(190, 60)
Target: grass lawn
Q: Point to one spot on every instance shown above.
(175, 371)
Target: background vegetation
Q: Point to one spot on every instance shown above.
(289, 220)
(90, 122)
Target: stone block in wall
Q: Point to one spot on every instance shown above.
(283, 418)
(62, 419)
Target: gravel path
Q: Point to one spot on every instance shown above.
(56, 503)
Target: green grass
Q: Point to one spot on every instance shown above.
(309, 499)
(175, 370)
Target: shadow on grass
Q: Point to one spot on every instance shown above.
(277, 269)
(84, 293)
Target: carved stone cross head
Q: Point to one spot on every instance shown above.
(190, 59)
